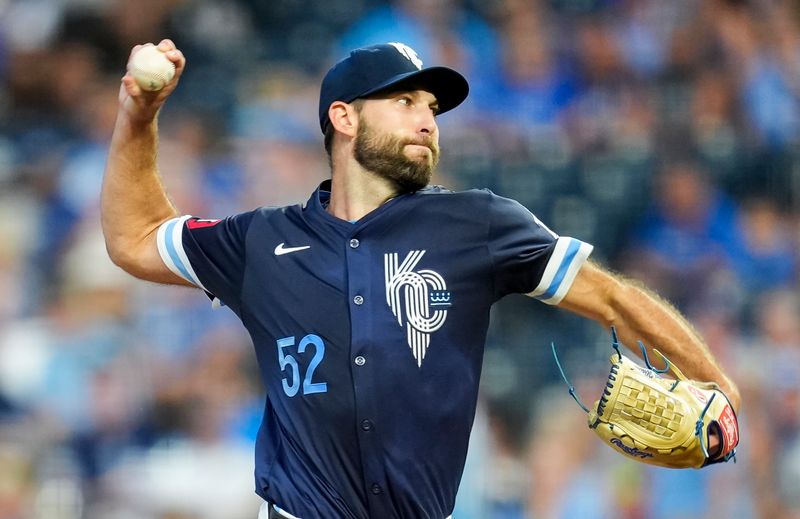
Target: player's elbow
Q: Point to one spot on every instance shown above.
(127, 254)
(596, 294)
(120, 253)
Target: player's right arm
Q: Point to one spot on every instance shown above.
(638, 313)
(133, 201)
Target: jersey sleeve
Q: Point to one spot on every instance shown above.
(210, 254)
(528, 257)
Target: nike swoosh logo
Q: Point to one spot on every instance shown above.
(280, 250)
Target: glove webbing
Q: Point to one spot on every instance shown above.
(641, 402)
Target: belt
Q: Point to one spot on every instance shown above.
(272, 511)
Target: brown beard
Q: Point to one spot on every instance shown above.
(383, 155)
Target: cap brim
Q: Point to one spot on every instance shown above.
(449, 87)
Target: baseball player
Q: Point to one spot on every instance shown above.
(368, 304)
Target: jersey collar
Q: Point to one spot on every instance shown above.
(316, 208)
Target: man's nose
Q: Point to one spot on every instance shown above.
(427, 123)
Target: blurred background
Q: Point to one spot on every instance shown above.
(666, 133)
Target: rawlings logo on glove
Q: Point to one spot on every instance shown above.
(657, 420)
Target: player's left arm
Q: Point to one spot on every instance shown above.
(638, 313)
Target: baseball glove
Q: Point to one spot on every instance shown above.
(661, 421)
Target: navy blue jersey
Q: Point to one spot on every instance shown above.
(370, 336)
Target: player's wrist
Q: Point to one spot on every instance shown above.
(733, 395)
(134, 120)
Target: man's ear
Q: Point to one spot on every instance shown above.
(343, 117)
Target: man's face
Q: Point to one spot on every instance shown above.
(397, 138)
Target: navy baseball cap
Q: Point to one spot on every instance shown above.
(372, 69)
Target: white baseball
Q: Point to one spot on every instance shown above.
(151, 68)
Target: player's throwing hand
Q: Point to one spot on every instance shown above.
(142, 105)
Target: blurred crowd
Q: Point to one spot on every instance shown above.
(666, 133)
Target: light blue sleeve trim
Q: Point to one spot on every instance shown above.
(170, 247)
(567, 259)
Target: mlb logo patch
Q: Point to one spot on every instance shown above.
(199, 223)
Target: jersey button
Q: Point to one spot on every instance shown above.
(354, 243)
(376, 489)
(366, 425)
(358, 300)
(360, 361)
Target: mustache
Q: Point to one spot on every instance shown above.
(423, 141)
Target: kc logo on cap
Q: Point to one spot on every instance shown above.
(408, 52)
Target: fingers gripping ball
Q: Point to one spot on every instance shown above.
(151, 68)
(662, 421)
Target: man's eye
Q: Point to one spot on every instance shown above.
(404, 100)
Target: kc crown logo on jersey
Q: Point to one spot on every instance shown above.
(418, 299)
